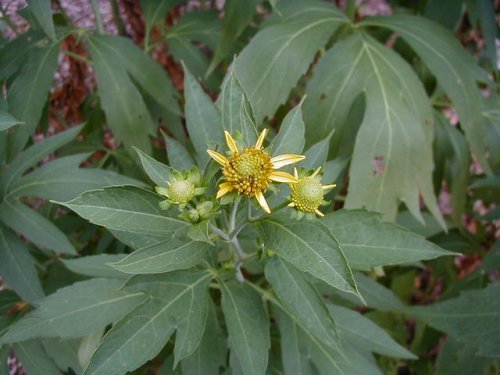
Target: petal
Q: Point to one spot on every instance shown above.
(328, 187)
(286, 159)
(316, 172)
(219, 158)
(282, 177)
(291, 204)
(262, 201)
(260, 141)
(230, 142)
(224, 188)
(295, 173)
(319, 213)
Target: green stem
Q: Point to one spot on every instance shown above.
(98, 18)
(232, 218)
(116, 16)
(351, 9)
(76, 56)
(219, 232)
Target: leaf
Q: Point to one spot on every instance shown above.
(366, 334)
(38, 229)
(96, 266)
(302, 301)
(459, 359)
(158, 172)
(7, 121)
(154, 11)
(317, 154)
(126, 208)
(42, 11)
(290, 139)
(16, 52)
(178, 156)
(126, 112)
(27, 94)
(64, 353)
(178, 301)
(92, 303)
(203, 119)
(378, 296)
(482, 13)
(34, 358)
(32, 155)
(311, 249)
(370, 242)
(272, 63)
(446, 59)
(166, 256)
(248, 326)
(17, 267)
(473, 318)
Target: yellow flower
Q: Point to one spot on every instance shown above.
(250, 172)
(307, 193)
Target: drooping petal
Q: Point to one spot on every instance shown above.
(319, 213)
(224, 188)
(230, 142)
(286, 159)
(219, 158)
(278, 176)
(262, 201)
(260, 141)
(295, 173)
(316, 172)
(328, 187)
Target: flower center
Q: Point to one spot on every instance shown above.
(248, 172)
(307, 194)
(181, 191)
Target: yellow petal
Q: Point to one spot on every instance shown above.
(316, 172)
(230, 142)
(295, 173)
(319, 213)
(262, 201)
(219, 158)
(286, 159)
(282, 177)
(291, 204)
(328, 187)
(224, 188)
(260, 141)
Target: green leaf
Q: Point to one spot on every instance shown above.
(203, 119)
(64, 352)
(211, 353)
(482, 13)
(16, 52)
(158, 172)
(178, 300)
(473, 318)
(17, 267)
(166, 256)
(96, 266)
(248, 326)
(42, 11)
(311, 249)
(28, 93)
(446, 59)
(34, 358)
(459, 359)
(366, 334)
(302, 300)
(370, 242)
(32, 155)
(7, 121)
(178, 156)
(378, 296)
(36, 228)
(317, 154)
(126, 112)
(272, 63)
(93, 303)
(290, 139)
(154, 11)
(126, 208)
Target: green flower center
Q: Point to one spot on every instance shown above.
(181, 191)
(248, 172)
(307, 194)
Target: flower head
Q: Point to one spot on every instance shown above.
(181, 188)
(307, 193)
(250, 171)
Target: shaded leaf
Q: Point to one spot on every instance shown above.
(42, 11)
(290, 138)
(34, 358)
(178, 156)
(96, 266)
(7, 121)
(158, 172)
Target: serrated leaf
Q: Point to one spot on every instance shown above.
(272, 63)
(472, 318)
(203, 119)
(42, 11)
(366, 334)
(34, 358)
(96, 266)
(165, 256)
(302, 300)
(370, 242)
(38, 229)
(17, 267)
(311, 249)
(93, 303)
(7, 121)
(127, 208)
(178, 156)
(178, 301)
(248, 326)
(290, 138)
(158, 172)
(446, 59)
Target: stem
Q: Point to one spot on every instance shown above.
(98, 18)
(8, 20)
(241, 257)
(263, 215)
(76, 56)
(219, 232)
(118, 20)
(232, 218)
(351, 9)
